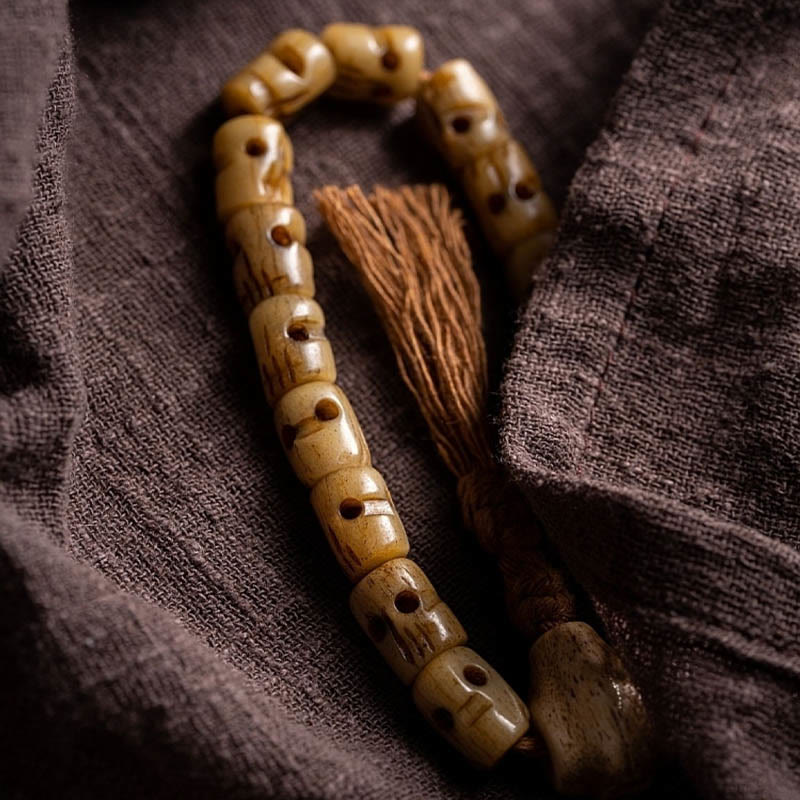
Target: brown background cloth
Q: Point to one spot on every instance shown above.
(173, 624)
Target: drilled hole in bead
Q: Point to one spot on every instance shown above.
(255, 147)
(442, 719)
(298, 332)
(496, 202)
(350, 508)
(288, 435)
(461, 124)
(406, 602)
(524, 190)
(326, 410)
(281, 236)
(376, 628)
(390, 60)
(475, 675)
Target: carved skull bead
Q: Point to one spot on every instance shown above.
(288, 333)
(460, 114)
(319, 431)
(289, 74)
(378, 64)
(268, 246)
(398, 608)
(253, 159)
(506, 192)
(471, 705)
(360, 521)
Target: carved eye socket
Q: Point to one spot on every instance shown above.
(298, 332)
(461, 124)
(442, 719)
(255, 147)
(281, 236)
(350, 508)
(288, 435)
(326, 410)
(524, 190)
(406, 602)
(475, 675)
(390, 60)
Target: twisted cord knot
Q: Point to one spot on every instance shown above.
(496, 511)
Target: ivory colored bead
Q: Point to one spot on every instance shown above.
(379, 64)
(460, 113)
(253, 159)
(589, 713)
(398, 608)
(360, 521)
(319, 431)
(471, 705)
(268, 246)
(524, 261)
(506, 192)
(288, 333)
(289, 74)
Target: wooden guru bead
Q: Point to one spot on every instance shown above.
(253, 159)
(460, 114)
(471, 705)
(506, 192)
(268, 247)
(589, 713)
(295, 69)
(319, 431)
(288, 333)
(402, 614)
(359, 519)
(378, 64)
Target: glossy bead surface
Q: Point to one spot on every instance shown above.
(398, 608)
(289, 74)
(289, 339)
(506, 192)
(381, 64)
(253, 159)
(471, 705)
(268, 247)
(589, 713)
(359, 519)
(460, 114)
(319, 431)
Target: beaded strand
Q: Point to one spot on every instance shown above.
(393, 601)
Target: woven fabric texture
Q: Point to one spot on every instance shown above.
(174, 625)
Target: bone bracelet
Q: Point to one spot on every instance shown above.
(583, 705)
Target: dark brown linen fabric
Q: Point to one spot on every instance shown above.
(173, 623)
(652, 402)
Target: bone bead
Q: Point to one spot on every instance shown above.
(360, 521)
(289, 74)
(589, 713)
(471, 705)
(460, 114)
(506, 192)
(289, 338)
(398, 608)
(253, 159)
(379, 64)
(268, 247)
(319, 431)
